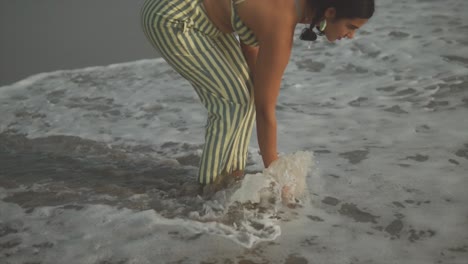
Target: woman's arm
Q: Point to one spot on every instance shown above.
(273, 22)
(271, 62)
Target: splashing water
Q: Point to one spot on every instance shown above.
(248, 212)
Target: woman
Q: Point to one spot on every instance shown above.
(198, 39)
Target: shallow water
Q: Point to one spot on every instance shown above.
(98, 165)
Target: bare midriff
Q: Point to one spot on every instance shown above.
(219, 12)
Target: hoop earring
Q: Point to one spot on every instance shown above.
(323, 25)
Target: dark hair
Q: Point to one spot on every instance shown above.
(344, 9)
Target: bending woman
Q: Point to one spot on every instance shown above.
(238, 79)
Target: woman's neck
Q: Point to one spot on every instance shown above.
(305, 11)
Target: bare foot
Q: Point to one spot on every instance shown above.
(238, 175)
(222, 181)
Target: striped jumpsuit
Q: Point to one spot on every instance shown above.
(212, 61)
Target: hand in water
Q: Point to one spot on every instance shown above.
(286, 195)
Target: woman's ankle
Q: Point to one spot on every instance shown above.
(237, 175)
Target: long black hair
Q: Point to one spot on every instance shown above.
(344, 9)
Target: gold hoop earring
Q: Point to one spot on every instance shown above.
(323, 25)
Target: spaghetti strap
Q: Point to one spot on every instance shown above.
(244, 33)
(238, 1)
(298, 9)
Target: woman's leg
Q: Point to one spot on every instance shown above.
(230, 47)
(206, 61)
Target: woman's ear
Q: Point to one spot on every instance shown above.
(330, 13)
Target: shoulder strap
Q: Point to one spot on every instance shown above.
(238, 1)
(298, 10)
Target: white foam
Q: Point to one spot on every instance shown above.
(284, 180)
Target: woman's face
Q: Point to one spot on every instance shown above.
(341, 28)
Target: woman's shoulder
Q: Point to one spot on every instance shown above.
(266, 17)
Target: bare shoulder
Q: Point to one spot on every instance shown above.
(268, 18)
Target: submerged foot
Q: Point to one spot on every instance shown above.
(237, 175)
(221, 182)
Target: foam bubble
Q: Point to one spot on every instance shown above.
(283, 181)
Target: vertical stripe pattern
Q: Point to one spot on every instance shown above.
(215, 66)
(245, 34)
